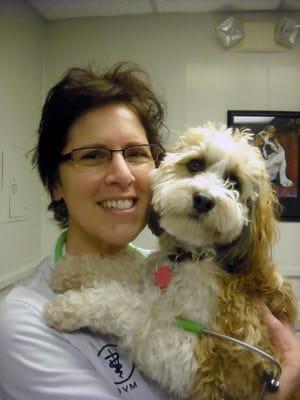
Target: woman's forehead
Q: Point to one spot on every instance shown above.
(112, 125)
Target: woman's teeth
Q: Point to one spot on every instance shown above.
(120, 204)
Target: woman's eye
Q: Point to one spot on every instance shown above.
(196, 165)
(97, 154)
(138, 155)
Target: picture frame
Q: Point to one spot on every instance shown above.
(277, 135)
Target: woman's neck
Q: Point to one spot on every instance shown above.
(76, 245)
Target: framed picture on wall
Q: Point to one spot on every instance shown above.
(277, 135)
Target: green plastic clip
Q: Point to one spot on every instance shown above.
(189, 326)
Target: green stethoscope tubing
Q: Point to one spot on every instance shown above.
(200, 330)
(58, 252)
(190, 325)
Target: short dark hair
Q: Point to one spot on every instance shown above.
(81, 90)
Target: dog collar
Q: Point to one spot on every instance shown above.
(163, 273)
(180, 255)
(231, 262)
(231, 265)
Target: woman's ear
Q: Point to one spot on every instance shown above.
(56, 192)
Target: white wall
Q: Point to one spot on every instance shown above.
(21, 44)
(198, 79)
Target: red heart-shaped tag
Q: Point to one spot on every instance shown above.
(162, 276)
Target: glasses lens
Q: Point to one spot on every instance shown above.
(92, 156)
(139, 154)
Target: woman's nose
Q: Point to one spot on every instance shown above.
(118, 171)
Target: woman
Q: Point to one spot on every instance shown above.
(98, 142)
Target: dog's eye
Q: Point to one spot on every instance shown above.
(196, 165)
(232, 180)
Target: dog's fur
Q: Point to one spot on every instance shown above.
(216, 212)
(274, 155)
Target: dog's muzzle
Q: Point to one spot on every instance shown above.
(270, 150)
(203, 203)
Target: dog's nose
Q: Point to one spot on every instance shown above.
(203, 203)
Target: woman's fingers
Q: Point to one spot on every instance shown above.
(288, 347)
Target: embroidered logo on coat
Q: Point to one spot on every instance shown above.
(110, 357)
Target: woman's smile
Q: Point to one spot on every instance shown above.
(123, 204)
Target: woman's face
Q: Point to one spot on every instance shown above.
(96, 225)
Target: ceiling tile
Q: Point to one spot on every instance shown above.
(60, 9)
(215, 5)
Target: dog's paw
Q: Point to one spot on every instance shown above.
(286, 182)
(63, 314)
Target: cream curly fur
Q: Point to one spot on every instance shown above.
(213, 198)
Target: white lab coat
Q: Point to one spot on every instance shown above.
(39, 363)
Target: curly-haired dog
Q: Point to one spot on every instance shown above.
(216, 220)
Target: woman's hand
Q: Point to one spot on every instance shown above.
(288, 346)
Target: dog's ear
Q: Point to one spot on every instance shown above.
(258, 140)
(153, 223)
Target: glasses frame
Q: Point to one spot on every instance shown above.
(70, 156)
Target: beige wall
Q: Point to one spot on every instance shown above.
(198, 79)
(21, 77)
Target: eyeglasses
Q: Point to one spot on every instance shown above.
(138, 154)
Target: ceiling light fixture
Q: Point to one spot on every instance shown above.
(287, 32)
(229, 32)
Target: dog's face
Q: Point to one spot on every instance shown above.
(204, 189)
(269, 142)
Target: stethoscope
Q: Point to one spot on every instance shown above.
(270, 379)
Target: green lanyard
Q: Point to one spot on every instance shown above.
(60, 245)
